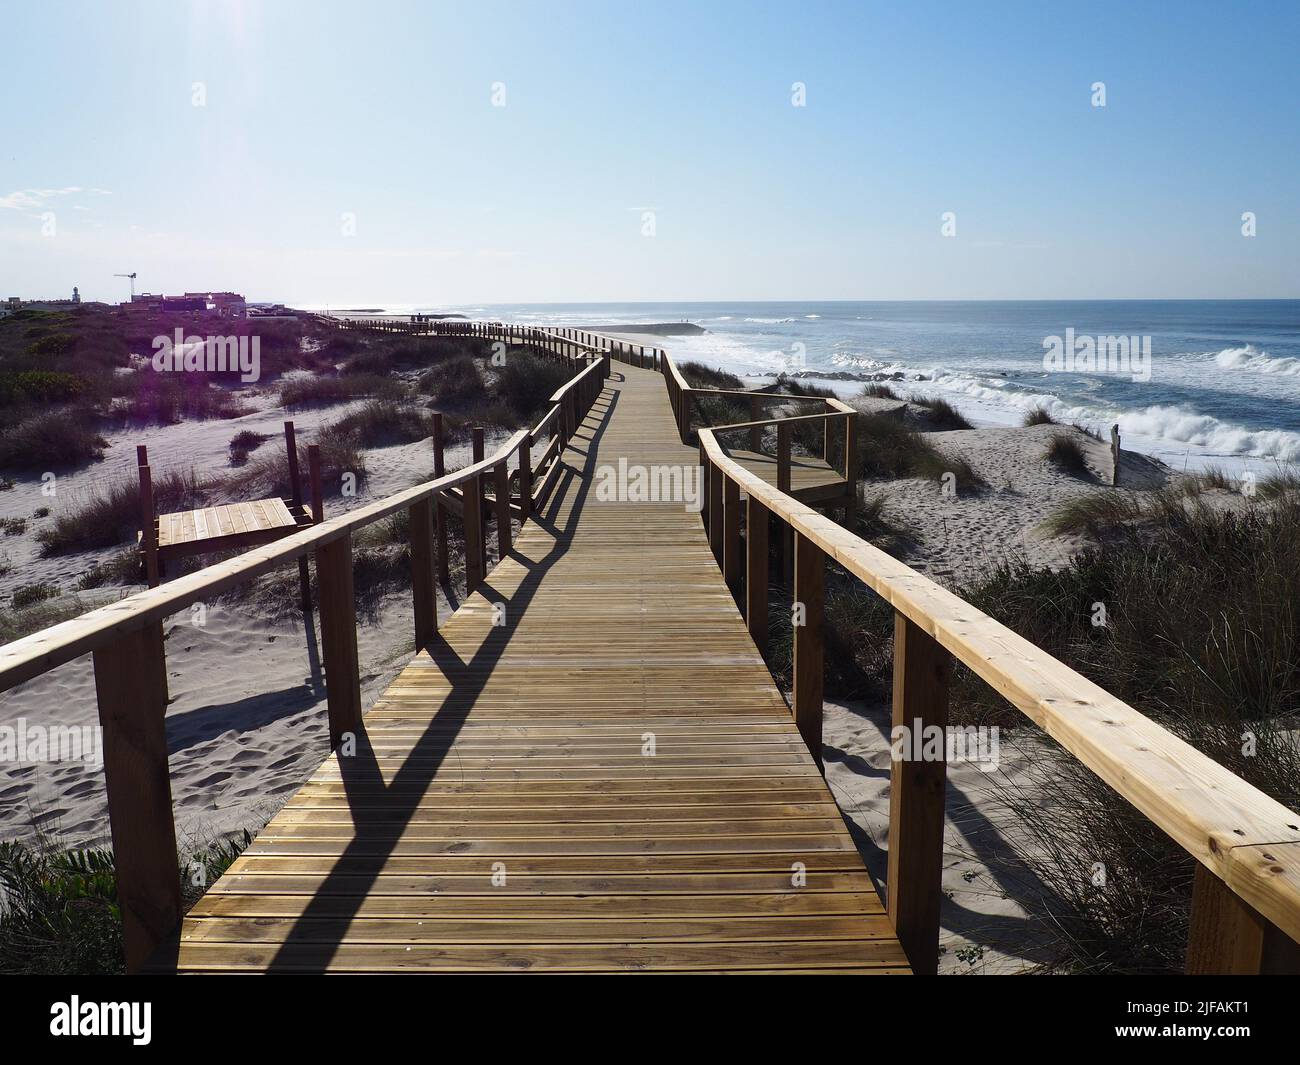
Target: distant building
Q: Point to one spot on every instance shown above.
(229, 304)
(226, 304)
(17, 303)
(184, 303)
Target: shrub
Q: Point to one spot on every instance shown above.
(39, 386)
(268, 474)
(888, 448)
(1039, 416)
(795, 387)
(53, 344)
(1066, 453)
(31, 594)
(1277, 485)
(528, 381)
(124, 567)
(61, 915)
(50, 441)
(242, 444)
(943, 415)
(456, 381)
(697, 375)
(878, 390)
(113, 516)
(324, 390)
(381, 423)
(168, 398)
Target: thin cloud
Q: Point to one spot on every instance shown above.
(34, 199)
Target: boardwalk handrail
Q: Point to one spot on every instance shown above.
(1246, 900)
(126, 637)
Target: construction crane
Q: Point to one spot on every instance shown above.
(132, 277)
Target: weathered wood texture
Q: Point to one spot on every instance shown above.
(589, 769)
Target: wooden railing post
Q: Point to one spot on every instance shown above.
(295, 497)
(475, 569)
(423, 588)
(716, 479)
(850, 468)
(439, 508)
(131, 687)
(480, 501)
(809, 579)
(338, 636)
(317, 489)
(148, 518)
(916, 804)
(1229, 937)
(756, 565)
(501, 482)
(731, 535)
(755, 432)
(783, 485)
(525, 479)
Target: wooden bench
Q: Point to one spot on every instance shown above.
(225, 526)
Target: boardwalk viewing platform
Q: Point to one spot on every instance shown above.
(588, 766)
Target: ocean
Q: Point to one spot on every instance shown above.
(1221, 386)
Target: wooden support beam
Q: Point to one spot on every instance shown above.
(148, 518)
(317, 490)
(338, 632)
(501, 482)
(423, 591)
(131, 687)
(850, 469)
(922, 670)
(716, 479)
(757, 521)
(439, 511)
(525, 481)
(731, 558)
(755, 432)
(295, 497)
(1229, 937)
(809, 581)
(476, 455)
(475, 568)
(783, 485)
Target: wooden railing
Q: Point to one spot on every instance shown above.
(126, 637)
(1246, 897)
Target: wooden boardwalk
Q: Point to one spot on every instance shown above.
(590, 770)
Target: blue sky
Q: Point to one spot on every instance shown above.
(384, 111)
